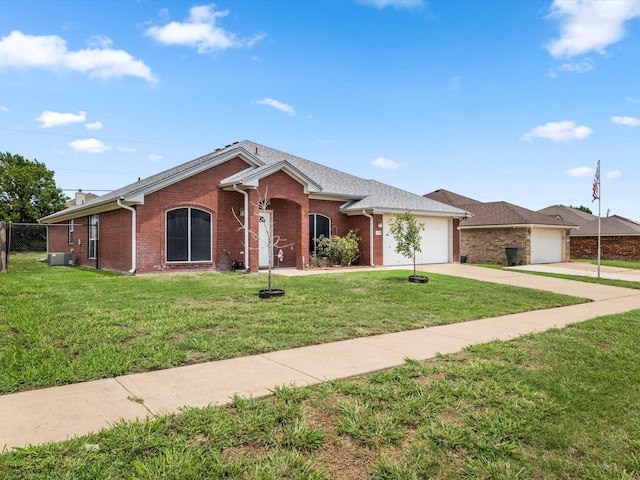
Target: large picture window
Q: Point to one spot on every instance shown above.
(319, 226)
(188, 235)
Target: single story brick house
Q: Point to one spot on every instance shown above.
(619, 236)
(191, 217)
(495, 226)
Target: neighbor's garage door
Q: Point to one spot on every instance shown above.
(436, 243)
(546, 246)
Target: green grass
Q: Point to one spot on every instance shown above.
(558, 405)
(633, 264)
(579, 278)
(61, 325)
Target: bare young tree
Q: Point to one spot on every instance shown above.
(272, 242)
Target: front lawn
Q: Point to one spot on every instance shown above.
(62, 325)
(558, 405)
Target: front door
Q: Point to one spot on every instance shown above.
(265, 252)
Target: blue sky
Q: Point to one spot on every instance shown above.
(492, 99)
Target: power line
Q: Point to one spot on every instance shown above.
(87, 190)
(108, 139)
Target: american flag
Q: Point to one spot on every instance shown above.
(596, 183)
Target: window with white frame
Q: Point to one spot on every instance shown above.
(319, 226)
(71, 232)
(188, 235)
(93, 236)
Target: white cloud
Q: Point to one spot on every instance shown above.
(628, 121)
(614, 174)
(200, 31)
(50, 119)
(49, 52)
(587, 25)
(99, 41)
(386, 163)
(392, 3)
(283, 107)
(127, 149)
(578, 67)
(93, 126)
(155, 158)
(3, 108)
(559, 132)
(89, 145)
(581, 172)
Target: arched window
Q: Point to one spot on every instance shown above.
(188, 235)
(319, 226)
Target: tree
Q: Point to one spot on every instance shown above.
(582, 209)
(27, 190)
(406, 231)
(272, 242)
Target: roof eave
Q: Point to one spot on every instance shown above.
(518, 225)
(400, 211)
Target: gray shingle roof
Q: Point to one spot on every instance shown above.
(450, 198)
(504, 213)
(358, 193)
(588, 224)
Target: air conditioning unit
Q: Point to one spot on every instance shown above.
(60, 259)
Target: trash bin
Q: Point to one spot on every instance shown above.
(463, 259)
(513, 255)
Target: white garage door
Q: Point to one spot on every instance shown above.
(436, 243)
(546, 246)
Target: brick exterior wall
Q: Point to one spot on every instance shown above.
(198, 191)
(455, 236)
(486, 245)
(59, 241)
(290, 207)
(362, 223)
(59, 237)
(611, 247)
(114, 240)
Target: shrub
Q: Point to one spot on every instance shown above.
(343, 251)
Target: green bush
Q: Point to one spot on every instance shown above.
(343, 251)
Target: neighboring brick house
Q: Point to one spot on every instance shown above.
(495, 226)
(190, 217)
(619, 236)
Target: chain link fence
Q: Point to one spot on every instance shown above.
(25, 246)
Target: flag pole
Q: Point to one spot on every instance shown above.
(597, 193)
(599, 235)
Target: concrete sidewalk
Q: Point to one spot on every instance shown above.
(55, 414)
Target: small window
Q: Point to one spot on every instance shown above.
(319, 226)
(188, 235)
(93, 236)
(70, 232)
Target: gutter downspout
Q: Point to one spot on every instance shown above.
(134, 234)
(246, 224)
(370, 217)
